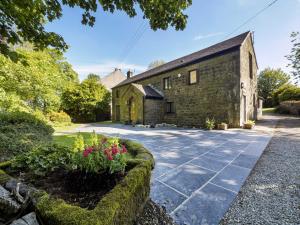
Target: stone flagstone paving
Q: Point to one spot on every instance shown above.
(197, 173)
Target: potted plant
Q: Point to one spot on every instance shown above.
(249, 124)
(210, 123)
(222, 126)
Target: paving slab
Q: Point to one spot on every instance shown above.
(206, 206)
(232, 177)
(187, 178)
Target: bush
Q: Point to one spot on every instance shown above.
(59, 117)
(210, 123)
(279, 91)
(43, 159)
(20, 132)
(291, 93)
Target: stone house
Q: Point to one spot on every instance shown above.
(217, 82)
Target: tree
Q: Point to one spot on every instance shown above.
(24, 20)
(93, 76)
(85, 101)
(294, 57)
(156, 63)
(270, 80)
(38, 85)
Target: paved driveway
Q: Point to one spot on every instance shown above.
(198, 173)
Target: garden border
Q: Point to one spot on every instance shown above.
(120, 206)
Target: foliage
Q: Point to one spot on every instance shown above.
(270, 80)
(20, 132)
(43, 159)
(210, 123)
(156, 63)
(250, 122)
(78, 143)
(294, 56)
(23, 21)
(106, 155)
(59, 117)
(84, 101)
(291, 93)
(38, 84)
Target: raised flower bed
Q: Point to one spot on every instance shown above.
(62, 197)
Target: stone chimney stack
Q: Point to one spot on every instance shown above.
(129, 74)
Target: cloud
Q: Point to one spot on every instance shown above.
(201, 37)
(104, 68)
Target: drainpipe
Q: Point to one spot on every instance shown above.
(143, 110)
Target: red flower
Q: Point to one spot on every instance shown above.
(85, 153)
(115, 150)
(109, 157)
(124, 149)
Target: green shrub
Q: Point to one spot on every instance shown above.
(59, 117)
(279, 91)
(20, 132)
(43, 159)
(210, 123)
(291, 93)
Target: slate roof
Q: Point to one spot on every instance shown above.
(113, 79)
(148, 91)
(190, 59)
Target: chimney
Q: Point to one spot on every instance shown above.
(129, 74)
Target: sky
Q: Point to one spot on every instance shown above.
(128, 43)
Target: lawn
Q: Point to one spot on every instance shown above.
(268, 110)
(64, 126)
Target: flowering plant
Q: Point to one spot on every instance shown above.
(103, 155)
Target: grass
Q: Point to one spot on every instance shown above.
(268, 110)
(68, 139)
(64, 126)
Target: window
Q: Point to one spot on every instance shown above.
(170, 107)
(193, 78)
(250, 65)
(167, 83)
(117, 94)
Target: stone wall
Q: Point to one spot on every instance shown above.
(153, 111)
(290, 107)
(217, 94)
(250, 85)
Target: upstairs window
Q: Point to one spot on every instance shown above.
(167, 83)
(117, 94)
(250, 65)
(193, 77)
(170, 107)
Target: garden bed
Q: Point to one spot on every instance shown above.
(118, 200)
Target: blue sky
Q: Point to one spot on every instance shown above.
(99, 49)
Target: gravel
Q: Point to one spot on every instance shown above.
(271, 194)
(154, 215)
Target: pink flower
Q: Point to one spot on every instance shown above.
(124, 149)
(109, 157)
(114, 150)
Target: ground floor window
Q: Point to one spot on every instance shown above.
(170, 108)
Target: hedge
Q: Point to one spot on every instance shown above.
(120, 206)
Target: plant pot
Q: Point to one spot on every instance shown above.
(222, 126)
(248, 126)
